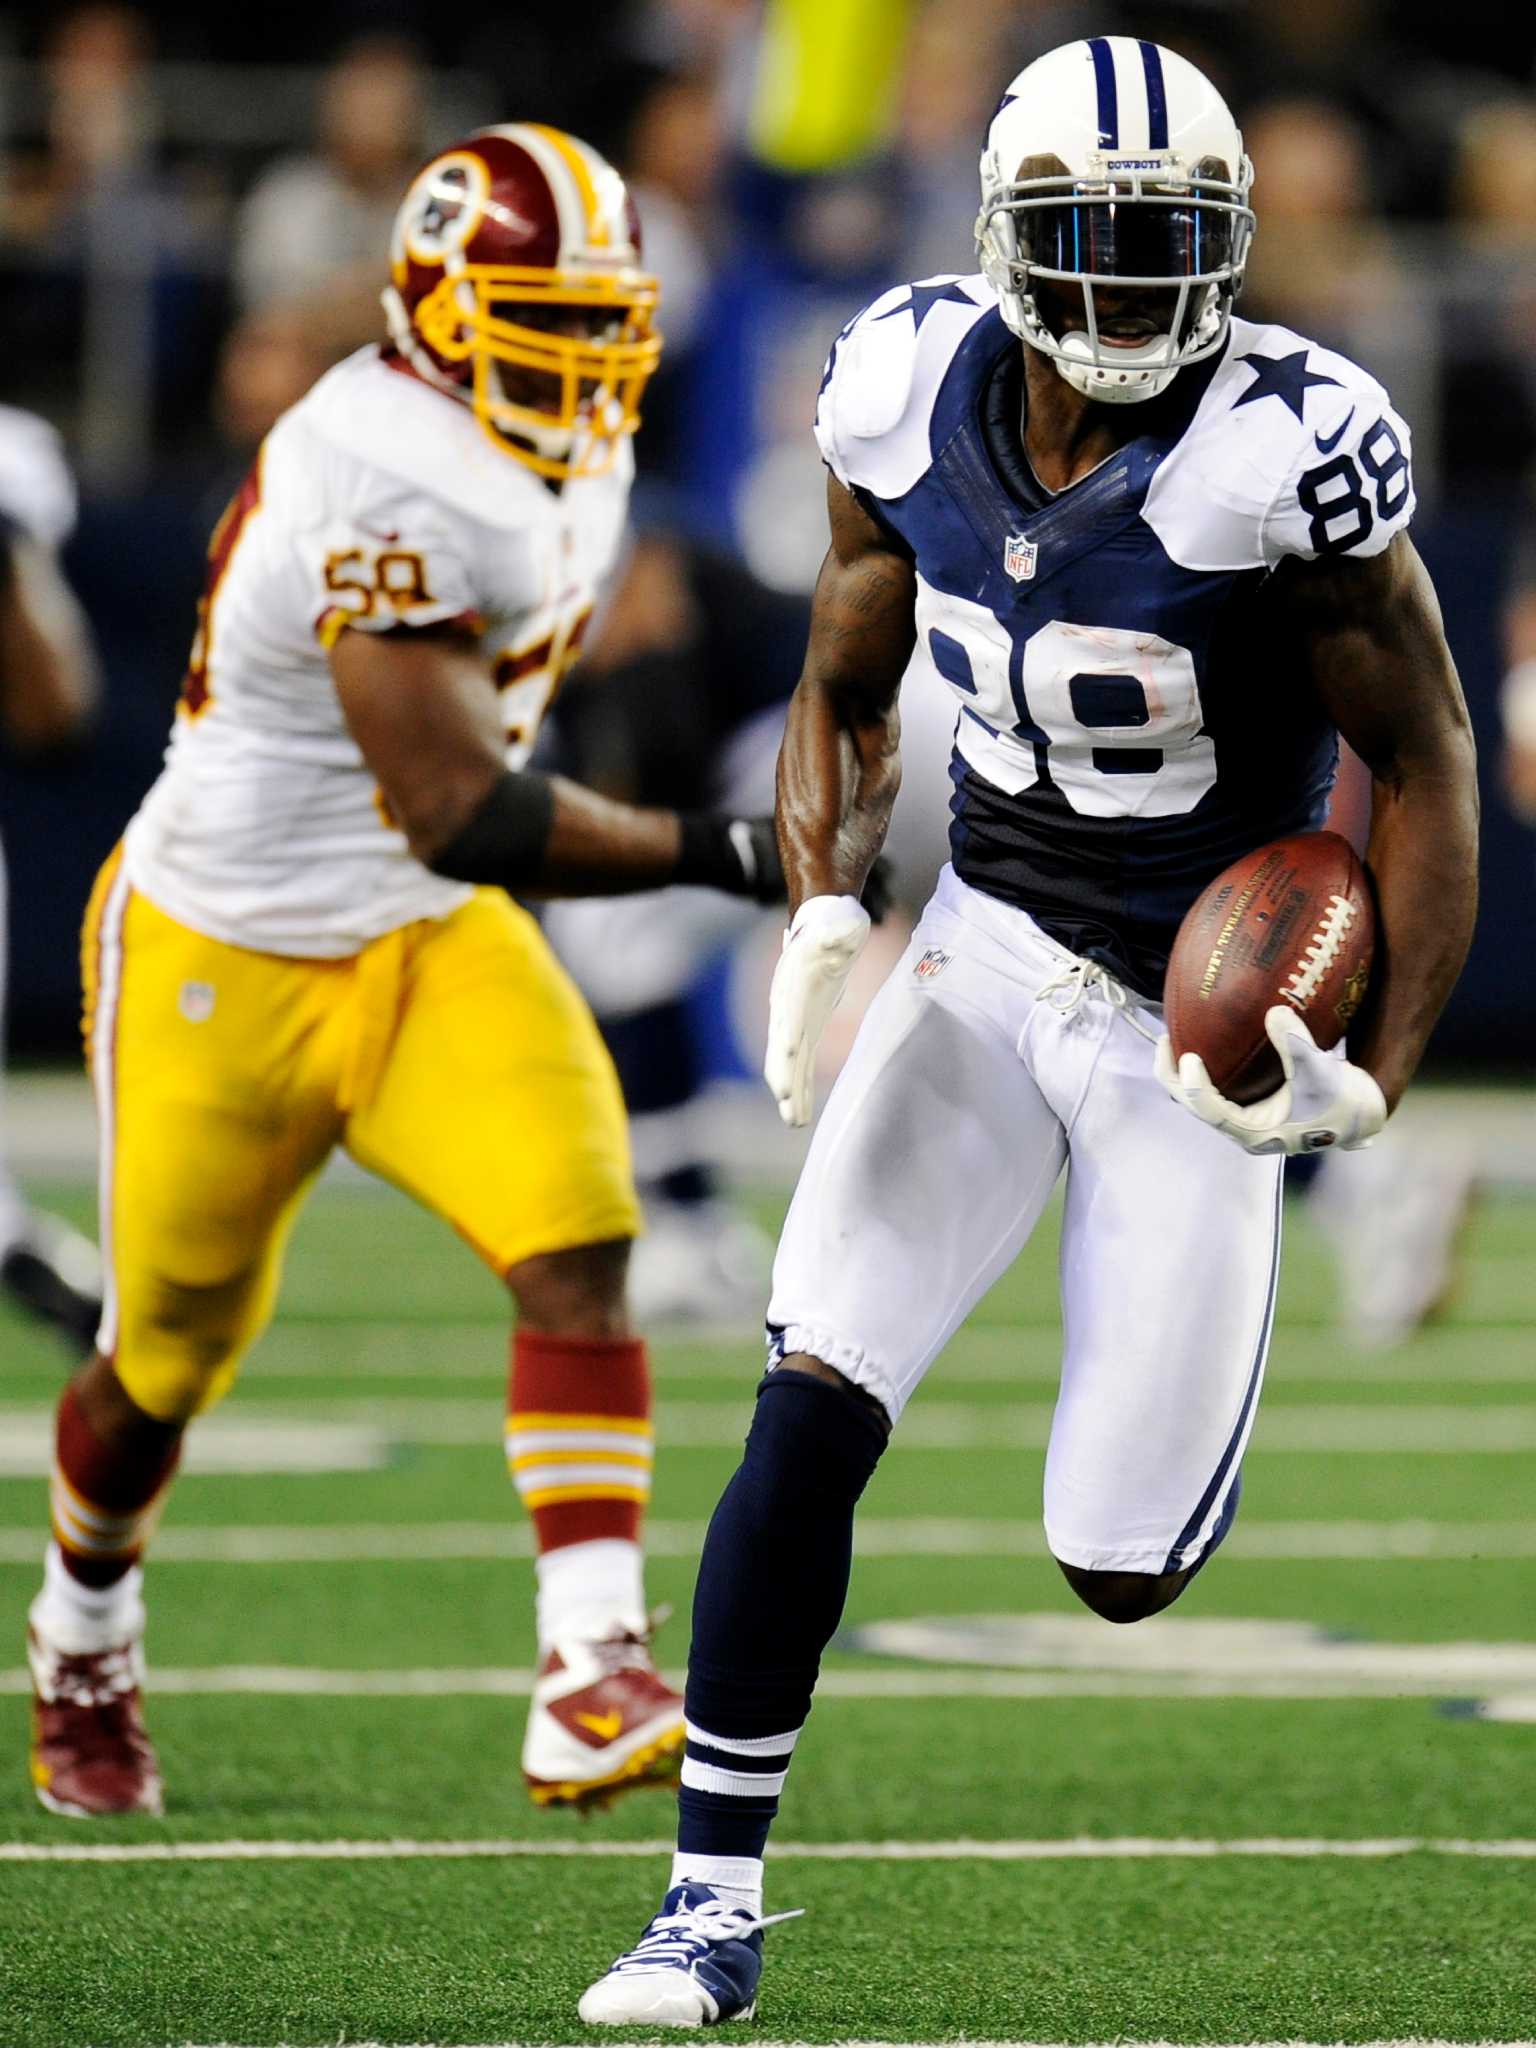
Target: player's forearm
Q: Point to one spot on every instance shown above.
(1423, 857)
(837, 780)
(597, 847)
(1385, 674)
(540, 835)
(839, 767)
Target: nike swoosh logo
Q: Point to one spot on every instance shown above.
(606, 1726)
(380, 533)
(1327, 447)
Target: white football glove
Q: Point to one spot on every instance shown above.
(1323, 1100)
(820, 947)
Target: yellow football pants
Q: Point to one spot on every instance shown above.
(454, 1058)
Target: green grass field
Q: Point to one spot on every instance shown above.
(341, 1652)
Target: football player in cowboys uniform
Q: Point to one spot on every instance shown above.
(1159, 556)
(305, 941)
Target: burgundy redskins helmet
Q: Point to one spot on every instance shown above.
(501, 245)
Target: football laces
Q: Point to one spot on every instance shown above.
(1309, 974)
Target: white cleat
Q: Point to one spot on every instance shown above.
(667, 1999)
(696, 1965)
(602, 1720)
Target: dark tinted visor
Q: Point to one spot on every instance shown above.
(1126, 238)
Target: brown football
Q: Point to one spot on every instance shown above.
(1292, 922)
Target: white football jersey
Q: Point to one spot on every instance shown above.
(1131, 682)
(375, 503)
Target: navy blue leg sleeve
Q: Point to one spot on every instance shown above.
(771, 1587)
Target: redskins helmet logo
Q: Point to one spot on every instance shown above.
(445, 207)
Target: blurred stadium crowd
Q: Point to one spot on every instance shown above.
(195, 208)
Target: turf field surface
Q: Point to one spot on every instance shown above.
(1300, 1808)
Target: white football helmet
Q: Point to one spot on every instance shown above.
(1144, 184)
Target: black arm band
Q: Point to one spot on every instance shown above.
(506, 838)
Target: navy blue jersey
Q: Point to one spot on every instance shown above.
(1133, 705)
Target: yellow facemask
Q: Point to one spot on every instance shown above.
(596, 382)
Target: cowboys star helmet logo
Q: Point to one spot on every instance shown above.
(1019, 557)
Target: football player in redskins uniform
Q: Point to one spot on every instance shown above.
(306, 940)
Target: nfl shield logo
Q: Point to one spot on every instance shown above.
(933, 962)
(1019, 557)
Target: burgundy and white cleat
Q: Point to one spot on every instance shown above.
(602, 1721)
(91, 1755)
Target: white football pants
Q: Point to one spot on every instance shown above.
(991, 1058)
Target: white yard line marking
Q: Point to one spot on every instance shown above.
(357, 1428)
(1353, 1428)
(1073, 1849)
(464, 1352)
(1210, 1651)
(354, 1543)
(1380, 1542)
(1509, 1706)
(919, 1536)
(240, 1445)
(280, 1681)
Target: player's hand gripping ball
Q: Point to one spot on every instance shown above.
(1270, 966)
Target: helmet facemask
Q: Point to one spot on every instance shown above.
(1167, 229)
(557, 360)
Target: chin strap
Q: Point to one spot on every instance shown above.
(1128, 386)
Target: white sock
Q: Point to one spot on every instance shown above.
(591, 1589)
(738, 1879)
(80, 1620)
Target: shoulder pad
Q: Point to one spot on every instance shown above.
(403, 429)
(1293, 450)
(882, 376)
